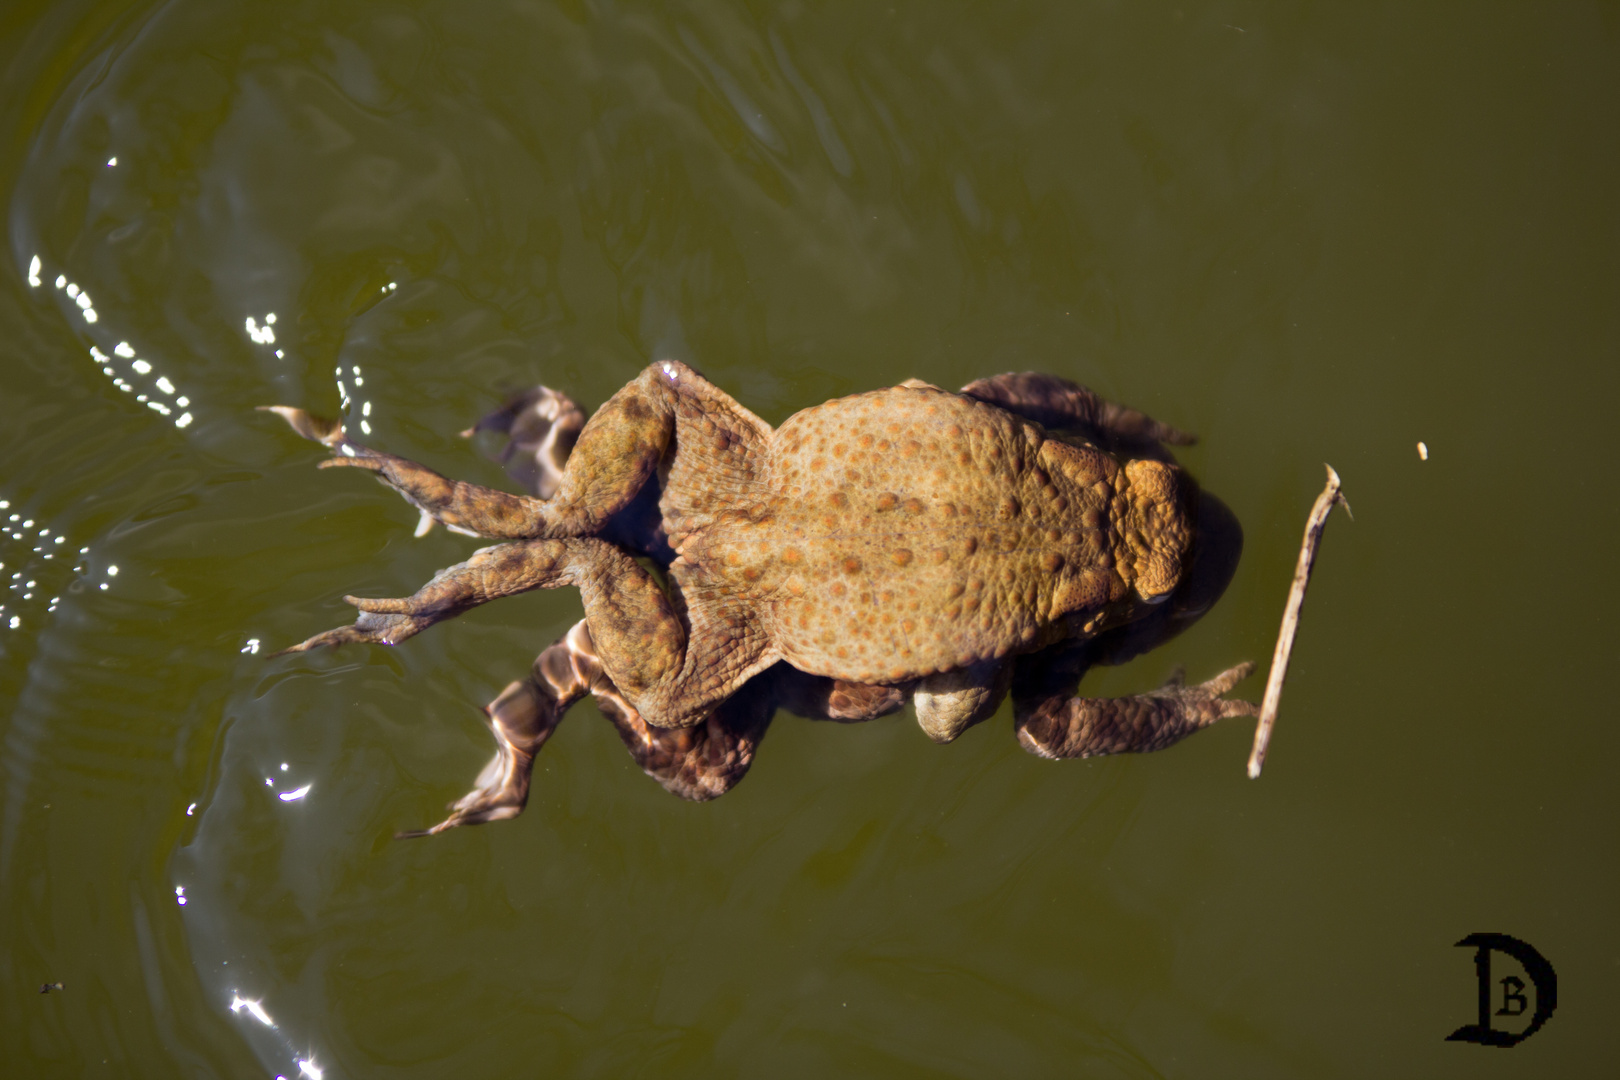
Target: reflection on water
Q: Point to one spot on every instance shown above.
(165, 401)
(399, 214)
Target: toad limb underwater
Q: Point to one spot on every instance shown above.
(904, 544)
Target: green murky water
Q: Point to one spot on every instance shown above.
(1307, 234)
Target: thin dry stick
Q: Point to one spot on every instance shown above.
(1314, 525)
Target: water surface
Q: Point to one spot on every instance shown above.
(1307, 235)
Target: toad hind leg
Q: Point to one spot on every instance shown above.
(491, 573)
(467, 508)
(673, 671)
(1059, 726)
(618, 451)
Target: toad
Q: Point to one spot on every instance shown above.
(906, 544)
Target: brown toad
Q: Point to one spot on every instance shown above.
(904, 543)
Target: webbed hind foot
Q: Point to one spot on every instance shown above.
(491, 573)
(466, 508)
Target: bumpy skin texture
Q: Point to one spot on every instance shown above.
(907, 543)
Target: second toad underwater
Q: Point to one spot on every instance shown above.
(906, 543)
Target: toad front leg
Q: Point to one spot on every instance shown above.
(1060, 726)
(1058, 403)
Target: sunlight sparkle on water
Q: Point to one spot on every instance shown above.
(262, 335)
(238, 1003)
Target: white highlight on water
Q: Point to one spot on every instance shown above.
(238, 1003)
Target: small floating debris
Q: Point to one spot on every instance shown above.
(1423, 451)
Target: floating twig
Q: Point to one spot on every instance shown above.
(1314, 525)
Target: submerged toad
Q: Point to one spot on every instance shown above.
(904, 543)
